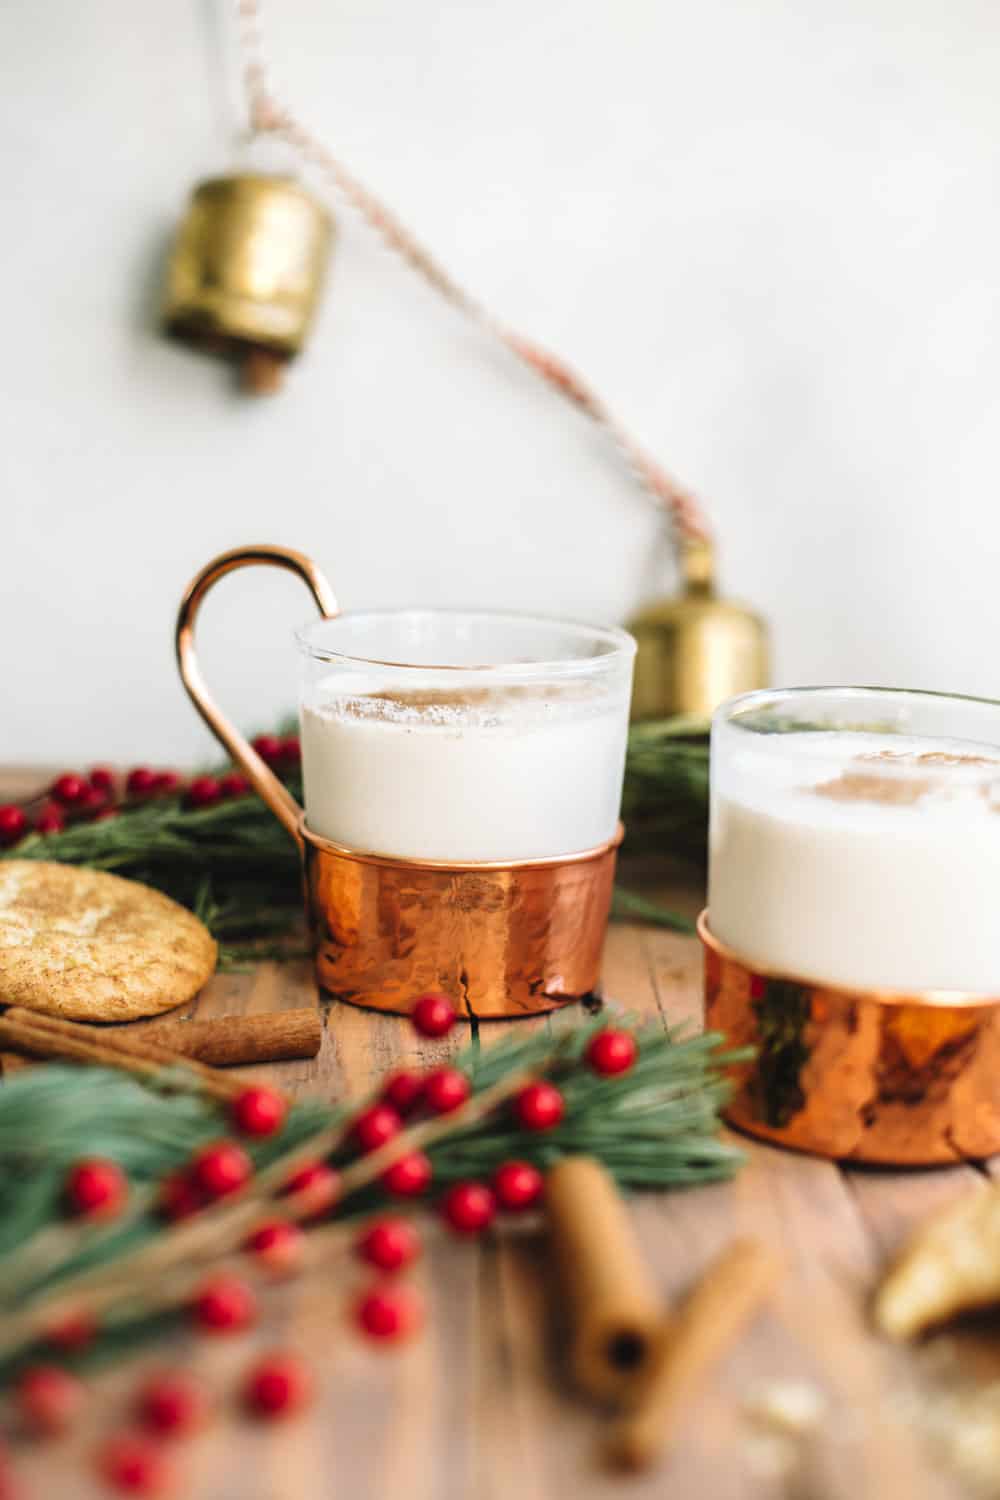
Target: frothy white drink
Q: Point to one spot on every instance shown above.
(863, 860)
(510, 774)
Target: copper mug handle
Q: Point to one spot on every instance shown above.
(277, 796)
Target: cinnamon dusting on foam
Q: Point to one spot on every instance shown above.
(871, 786)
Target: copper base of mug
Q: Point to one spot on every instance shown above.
(500, 939)
(901, 1079)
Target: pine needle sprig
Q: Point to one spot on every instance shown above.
(655, 1127)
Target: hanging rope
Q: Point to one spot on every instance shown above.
(268, 116)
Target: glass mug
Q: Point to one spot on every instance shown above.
(462, 776)
(851, 934)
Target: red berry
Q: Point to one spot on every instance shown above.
(433, 1015)
(166, 781)
(518, 1185)
(290, 751)
(234, 785)
(403, 1091)
(140, 782)
(134, 1464)
(389, 1245)
(540, 1106)
(375, 1126)
(172, 1404)
(96, 1188)
(50, 819)
(610, 1052)
(389, 1313)
(72, 1333)
(225, 1305)
(203, 791)
(259, 1111)
(409, 1176)
(278, 1246)
(268, 747)
(315, 1189)
(277, 1385)
(102, 778)
(469, 1207)
(9, 1488)
(69, 789)
(758, 986)
(221, 1169)
(445, 1089)
(180, 1196)
(48, 1399)
(92, 802)
(13, 825)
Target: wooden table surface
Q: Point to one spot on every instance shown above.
(474, 1409)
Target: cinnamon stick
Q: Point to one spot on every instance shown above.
(226, 1041)
(52, 1037)
(612, 1309)
(714, 1314)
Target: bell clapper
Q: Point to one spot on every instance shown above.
(262, 371)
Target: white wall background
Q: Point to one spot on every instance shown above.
(769, 231)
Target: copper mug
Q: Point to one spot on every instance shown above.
(462, 774)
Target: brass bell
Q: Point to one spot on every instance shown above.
(696, 650)
(246, 272)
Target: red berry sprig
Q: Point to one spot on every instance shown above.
(610, 1052)
(376, 1126)
(224, 1304)
(13, 825)
(171, 1404)
(409, 1176)
(389, 1244)
(141, 782)
(403, 1091)
(72, 1333)
(180, 1196)
(51, 819)
(315, 1188)
(203, 791)
(389, 1313)
(518, 1185)
(48, 1399)
(134, 1464)
(278, 1246)
(70, 789)
(445, 1089)
(277, 1386)
(268, 747)
(96, 1188)
(433, 1015)
(539, 1106)
(220, 1169)
(259, 1111)
(234, 785)
(469, 1207)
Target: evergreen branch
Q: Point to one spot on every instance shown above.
(654, 1127)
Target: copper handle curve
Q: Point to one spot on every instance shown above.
(277, 796)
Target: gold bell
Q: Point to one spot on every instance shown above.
(696, 650)
(247, 270)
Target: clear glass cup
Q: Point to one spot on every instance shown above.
(855, 837)
(459, 735)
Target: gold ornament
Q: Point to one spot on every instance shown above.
(696, 650)
(247, 270)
